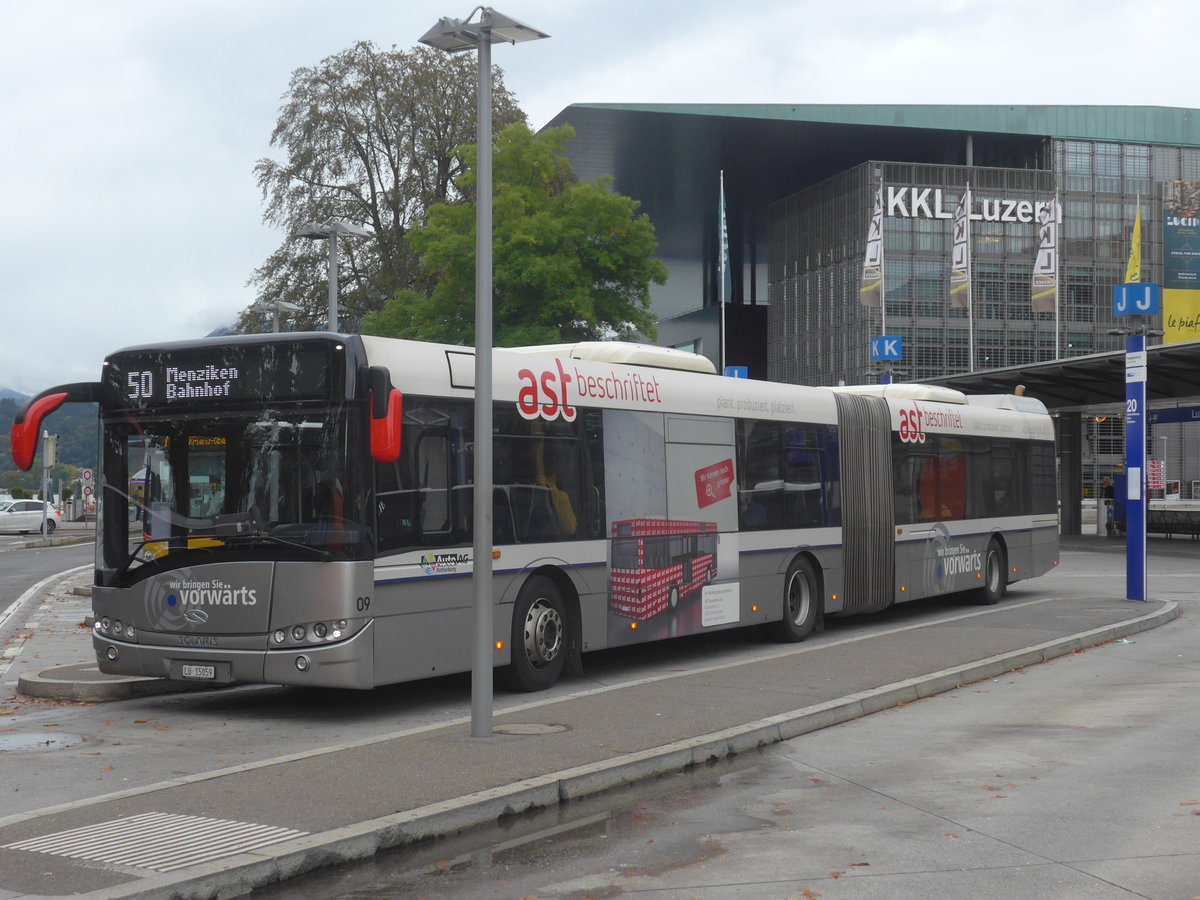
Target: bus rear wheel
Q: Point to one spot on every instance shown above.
(994, 581)
(539, 637)
(800, 593)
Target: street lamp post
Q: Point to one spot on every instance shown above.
(275, 307)
(329, 232)
(456, 36)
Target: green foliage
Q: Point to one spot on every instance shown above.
(571, 260)
(371, 137)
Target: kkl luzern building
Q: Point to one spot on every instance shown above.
(799, 188)
(800, 184)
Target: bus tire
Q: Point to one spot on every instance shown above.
(673, 596)
(539, 637)
(994, 582)
(801, 590)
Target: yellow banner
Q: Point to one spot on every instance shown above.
(1133, 269)
(1181, 316)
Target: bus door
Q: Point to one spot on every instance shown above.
(701, 475)
(702, 490)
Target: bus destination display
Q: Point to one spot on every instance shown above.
(221, 375)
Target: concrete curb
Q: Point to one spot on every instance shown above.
(85, 683)
(236, 876)
(58, 540)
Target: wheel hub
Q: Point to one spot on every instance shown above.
(543, 633)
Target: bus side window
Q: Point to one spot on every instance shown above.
(433, 482)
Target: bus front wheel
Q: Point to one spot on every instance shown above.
(539, 638)
(994, 580)
(800, 597)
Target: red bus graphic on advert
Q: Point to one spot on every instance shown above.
(656, 563)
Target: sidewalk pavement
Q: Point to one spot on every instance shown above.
(365, 797)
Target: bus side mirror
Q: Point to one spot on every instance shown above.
(27, 424)
(386, 404)
(385, 426)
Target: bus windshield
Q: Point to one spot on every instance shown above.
(270, 484)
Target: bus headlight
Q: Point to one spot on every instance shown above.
(315, 633)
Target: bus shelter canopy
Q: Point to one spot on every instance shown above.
(1084, 381)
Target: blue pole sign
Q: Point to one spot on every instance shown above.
(887, 347)
(1137, 299)
(737, 371)
(1135, 467)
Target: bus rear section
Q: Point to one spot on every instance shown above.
(963, 497)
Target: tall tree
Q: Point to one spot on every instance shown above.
(369, 136)
(572, 260)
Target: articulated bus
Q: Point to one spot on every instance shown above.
(297, 508)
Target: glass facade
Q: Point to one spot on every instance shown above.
(820, 334)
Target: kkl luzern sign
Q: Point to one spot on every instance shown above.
(927, 203)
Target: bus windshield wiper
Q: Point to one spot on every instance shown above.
(323, 555)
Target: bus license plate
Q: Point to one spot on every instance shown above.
(206, 672)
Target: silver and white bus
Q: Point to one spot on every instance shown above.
(297, 508)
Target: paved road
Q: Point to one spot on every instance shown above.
(1071, 779)
(353, 794)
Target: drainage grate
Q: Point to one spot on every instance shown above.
(160, 842)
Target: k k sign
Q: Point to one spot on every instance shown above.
(885, 347)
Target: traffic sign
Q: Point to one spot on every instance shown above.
(1136, 299)
(737, 371)
(887, 347)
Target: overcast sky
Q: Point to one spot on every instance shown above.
(131, 127)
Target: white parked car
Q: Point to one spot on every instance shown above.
(26, 515)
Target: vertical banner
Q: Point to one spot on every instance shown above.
(1044, 296)
(1181, 261)
(726, 286)
(960, 254)
(1181, 235)
(1133, 269)
(870, 291)
(724, 239)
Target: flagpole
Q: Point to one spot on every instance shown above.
(970, 292)
(882, 279)
(1058, 268)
